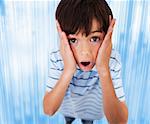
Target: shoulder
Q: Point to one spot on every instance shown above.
(55, 54)
(54, 57)
(115, 60)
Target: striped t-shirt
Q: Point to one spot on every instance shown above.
(83, 98)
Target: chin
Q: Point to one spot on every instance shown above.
(86, 70)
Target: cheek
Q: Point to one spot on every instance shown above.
(95, 50)
(74, 50)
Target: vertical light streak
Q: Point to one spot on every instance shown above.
(28, 33)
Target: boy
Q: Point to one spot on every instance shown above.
(85, 74)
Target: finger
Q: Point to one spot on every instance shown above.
(62, 34)
(65, 43)
(58, 27)
(108, 36)
(64, 37)
(64, 40)
(109, 19)
(111, 27)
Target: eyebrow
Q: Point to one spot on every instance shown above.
(95, 31)
(100, 30)
(92, 32)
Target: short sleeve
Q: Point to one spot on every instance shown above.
(54, 70)
(115, 69)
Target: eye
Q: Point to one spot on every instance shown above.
(95, 39)
(72, 40)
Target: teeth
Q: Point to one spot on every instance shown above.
(85, 63)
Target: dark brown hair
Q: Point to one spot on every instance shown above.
(77, 15)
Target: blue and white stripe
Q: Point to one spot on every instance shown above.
(83, 98)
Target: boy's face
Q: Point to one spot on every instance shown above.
(85, 48)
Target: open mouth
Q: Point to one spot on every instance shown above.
(85, 63)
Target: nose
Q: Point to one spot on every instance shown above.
(85, 49)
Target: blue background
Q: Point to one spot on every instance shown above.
(28, 33)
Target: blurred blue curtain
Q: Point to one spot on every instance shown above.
(28, 33)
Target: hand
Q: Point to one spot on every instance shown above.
(104, 53)
(66, 52)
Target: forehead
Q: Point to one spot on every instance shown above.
(94, 27)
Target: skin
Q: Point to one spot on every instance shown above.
(85, 48)
(98, 54)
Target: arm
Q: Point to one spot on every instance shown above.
(53, 99)
(116, 112)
